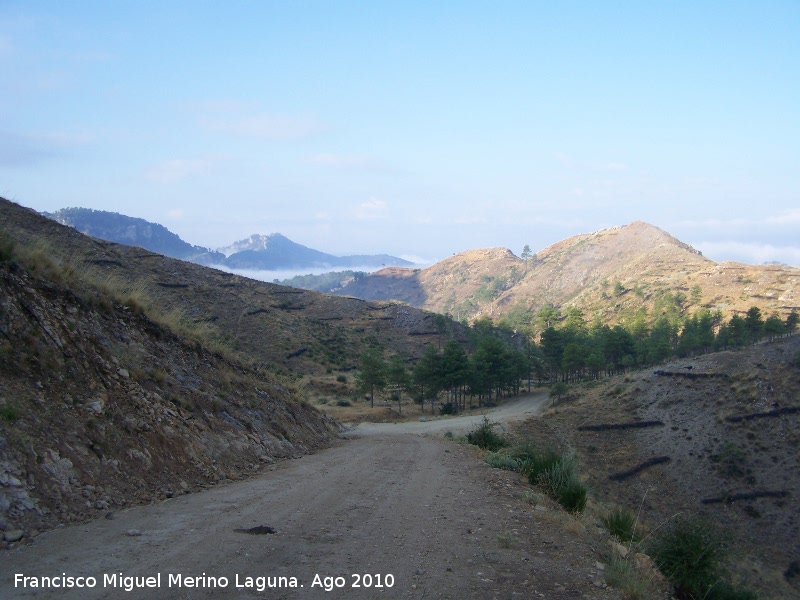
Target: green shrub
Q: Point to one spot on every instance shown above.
(532, 498)
(343, 403)
(623, 575)
(507, 540)
(557, 391)
(621, 523)
(159, 375)
(537, 462)
(6, 247)
(484, 436)
(522, 452)
(572, 495)
(499, 460)
(725, 591)
(561, 483)
(341, 379)
(689, 553)
(730, 460)
(9, 413)
(557, 476)
(448, 408)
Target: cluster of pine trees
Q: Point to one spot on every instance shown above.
(488, 365)
(576, 350)
(495, 359)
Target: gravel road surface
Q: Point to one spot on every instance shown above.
(395, 511)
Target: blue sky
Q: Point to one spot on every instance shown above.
(418, 129)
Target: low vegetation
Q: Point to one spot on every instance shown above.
(621, 523)
(485, 437)
(733, 469)
(690, 551)
(100, 289)
(9, 414)
(553, 473)
(561, 482)
(622, 574)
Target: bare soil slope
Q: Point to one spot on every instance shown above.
(101, 408)
(722, 442)
(290, 330)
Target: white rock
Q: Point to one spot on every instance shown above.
(13, 535)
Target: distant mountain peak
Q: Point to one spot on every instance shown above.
(259, 242)
(257, 252)
(483, 254)
(638, 237)
(132, 231)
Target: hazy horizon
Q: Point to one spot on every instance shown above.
(411, 128)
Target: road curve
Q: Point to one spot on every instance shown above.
(515, 409)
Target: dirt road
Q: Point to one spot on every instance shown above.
(516, 409)
(402, 515)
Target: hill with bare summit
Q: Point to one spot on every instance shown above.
(611, 274)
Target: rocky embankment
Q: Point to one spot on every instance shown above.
(101, 408)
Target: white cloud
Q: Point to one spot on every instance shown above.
(372, 209)
(173, 171)
(277, 127)
(751, 253)
(362, 162)
(469, 220)
(564, 159)
(417, 260)
(713, 223)
(789, 218)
